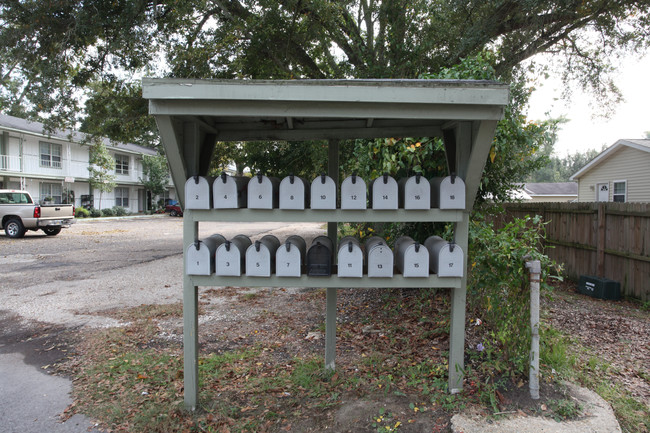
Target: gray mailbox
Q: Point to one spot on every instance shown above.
(353, 193)
(260, 256)
(323, 193)
(445, 259)
(350, 258)
(200, 256)
(294, 193)
(197, 193)
(263, 192)
(448, 192)
(230, 192)
(230, 256)
(290, 257)
(319, 257)
(379, 258)
(415, 192)
(383, 192)
(412, 258)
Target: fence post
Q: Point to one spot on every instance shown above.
(600, 241)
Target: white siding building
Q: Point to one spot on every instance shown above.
(55, 166)
(620, 173)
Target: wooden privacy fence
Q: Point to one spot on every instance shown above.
(610, 240)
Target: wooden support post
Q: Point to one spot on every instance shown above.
(190, 320)
(330, 314)
(457, 324)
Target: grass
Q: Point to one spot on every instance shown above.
(130, 381)
(565, 358)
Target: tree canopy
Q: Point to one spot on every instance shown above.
(50, 52)
(66, 61)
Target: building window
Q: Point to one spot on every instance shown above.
(50, 155)
(620, 191)
(122, 197)
(121, 164)
(52, 193)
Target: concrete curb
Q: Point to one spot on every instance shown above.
(596, 416)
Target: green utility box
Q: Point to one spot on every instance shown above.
(601, 288)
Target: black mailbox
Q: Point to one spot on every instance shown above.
(319, 257)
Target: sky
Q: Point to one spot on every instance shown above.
(631, 118)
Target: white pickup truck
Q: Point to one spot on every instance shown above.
(19, 213)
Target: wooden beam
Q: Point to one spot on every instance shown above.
(336, 134)
(171, 137)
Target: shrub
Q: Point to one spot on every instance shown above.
(498, 287)
(120, 211)
(95, 213)
(108, 212)
(81, 212)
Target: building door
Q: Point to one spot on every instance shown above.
(602, 191)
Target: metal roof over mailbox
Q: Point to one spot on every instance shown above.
(192, 115)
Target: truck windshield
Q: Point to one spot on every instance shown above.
(14, 198)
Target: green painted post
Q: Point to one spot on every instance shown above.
(190, 321)
(457, 326)
(330, 313)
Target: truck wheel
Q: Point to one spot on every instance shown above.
(52, 231)
(14, 228)
(173, 213)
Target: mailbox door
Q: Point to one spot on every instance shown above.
(417, 195)
(198, 262)
(448, 194)
(258, 263)
(287, 263)
(323, 195)
(261, 195)
(450, 263)
(225, 195)
(380, 261)
(197, 193)
(384, 195)
(416, 263)
(228, 263)
(292, 195)
(353, 195)
(350, 263)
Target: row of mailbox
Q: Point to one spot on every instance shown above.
(293, 192)
(261, 258)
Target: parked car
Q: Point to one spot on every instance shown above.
(174, 208)
(19, 213)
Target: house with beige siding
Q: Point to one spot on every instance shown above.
(620, 173)
(53, 166)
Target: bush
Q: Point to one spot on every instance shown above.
(108, 212)
(95, 213)
(498, 287)
(120, 211)
(81, 212)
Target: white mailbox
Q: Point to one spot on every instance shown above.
(353, 193)
(445, 259)
(260, 256)
(230, 256)
(229, 192)
(290, 257)
(323, 193)
(197, 193)
(412, 258)
(383, 192)
(294, 193)
(350, 258)
(199, 259)
(263, 192)
(379, 258)
(448, 192)
(415, 192)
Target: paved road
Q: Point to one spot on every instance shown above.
(50, 284)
